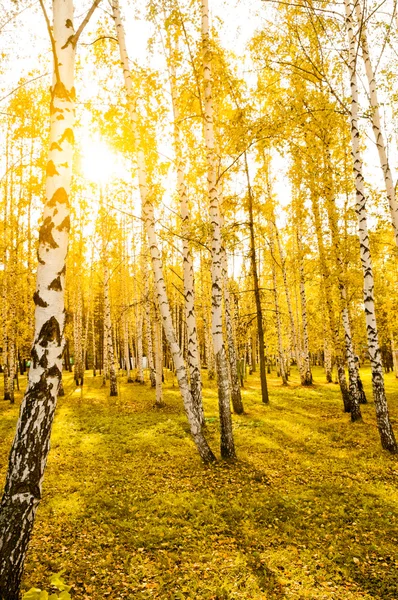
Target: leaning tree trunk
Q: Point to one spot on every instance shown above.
(383, 420)
(376, 122)
(353, 376)
(227, 440)
(193, 357)
(31, 444)
(149, 220)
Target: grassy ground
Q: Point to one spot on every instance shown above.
(308, 512)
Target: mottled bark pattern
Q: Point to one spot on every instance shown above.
(149, 222)
(227, 442)
(305, 372)
(376, 122)
(193, 356)
(257, 296)
(31, 444)
(282, 366)
(236, 395)
(387, 437)
(332, 329)
(108, 334)
(353, 383)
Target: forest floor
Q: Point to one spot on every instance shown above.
(309, 511)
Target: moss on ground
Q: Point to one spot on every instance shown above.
(308, 512)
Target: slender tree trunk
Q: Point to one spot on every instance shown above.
(376, 122)
(108, 334)
(148, 331)
(293, 332)
(31, 444)
(257, 296)
(227, 441)
(149, 221)
(94, 344)
(236, 395)
(277, 311)
(158, 359)
(193, 357)
(332, 329)
(354, 385)
(383, 420)
(305, 373)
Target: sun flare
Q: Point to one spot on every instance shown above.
(99, 163)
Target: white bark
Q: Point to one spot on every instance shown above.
(31, 444)
(383, 421)
(227, 441)
(149, 221)
(277, 311)
(305, 373)
(376, 121)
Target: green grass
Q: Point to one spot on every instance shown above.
(308, 512)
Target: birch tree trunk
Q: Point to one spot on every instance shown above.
(94, 344)
(332, 330)
(158, 359)
(148, 331)
(383, 420)
(108, 334)
(376, 122)
(149, 221)
(227, 441)
(193, 355)
(236, 395)
(305, 373)
(293, 332)
(354, 385)
(257, 296)
(31, 444)
(277, 312)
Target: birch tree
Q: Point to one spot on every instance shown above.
(31, 444)
(387, 437)
(149, 222)
(227, 441)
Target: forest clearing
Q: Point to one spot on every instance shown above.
(192, 191)
(309, 511)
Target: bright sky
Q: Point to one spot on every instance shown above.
(26, 39)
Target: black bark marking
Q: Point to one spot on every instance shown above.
(50, 332)
(69, 24)
(55, 285)
(39, 301)
(45, 233)
(68, 135)
(54, 372)
(62, 271)
(55, 146)
(59, 196)
(43, 362)
(35, 357)
(65, 224)
(51, 170)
